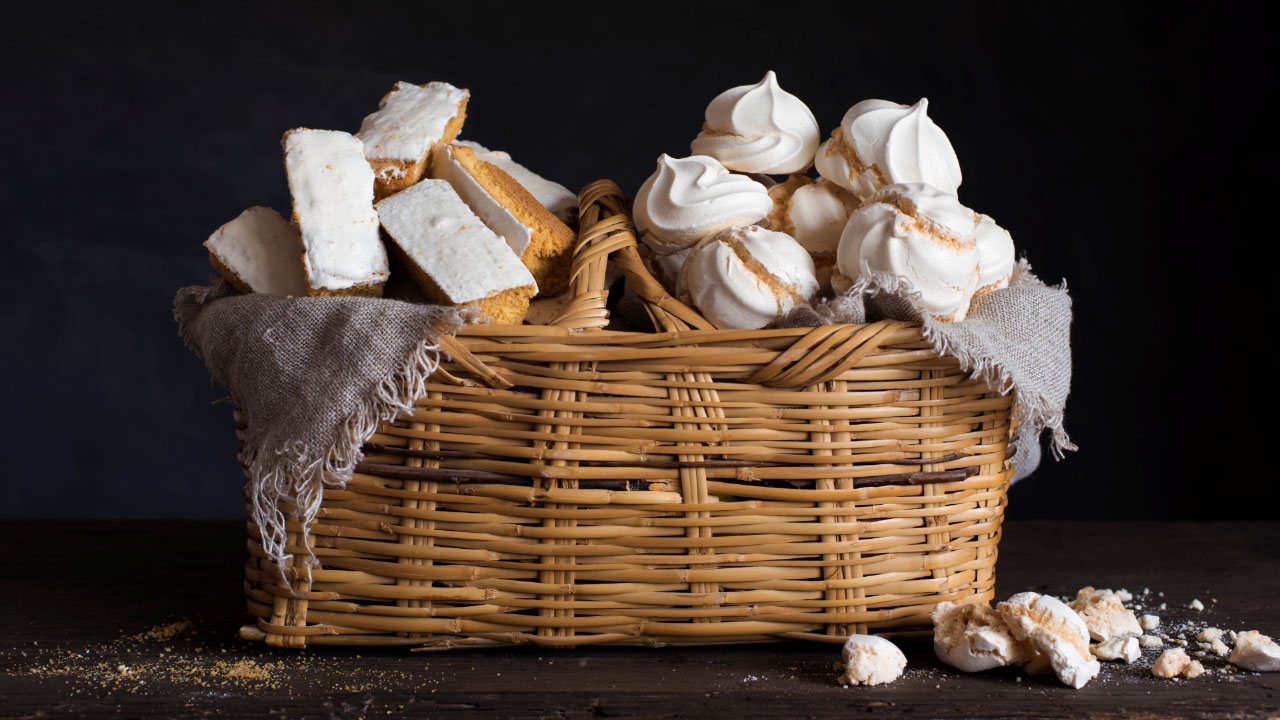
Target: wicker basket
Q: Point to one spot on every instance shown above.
(569, 485)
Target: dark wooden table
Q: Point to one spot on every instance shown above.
(128, 619)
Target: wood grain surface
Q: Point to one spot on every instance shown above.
(133, 619)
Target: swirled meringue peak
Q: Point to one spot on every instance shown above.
(759, 128)
(687, 199)
(923, 236)
(881, 143)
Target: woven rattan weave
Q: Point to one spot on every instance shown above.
(566, 485)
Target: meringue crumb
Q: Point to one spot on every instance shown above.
(1209, 634)
(1196, 605)
(1171, 664)
(1150, 641)
(1149, 622)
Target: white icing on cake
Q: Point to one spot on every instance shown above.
(332, 188)
(562, 202)
(439, 233)
(262, 249)
(498, 218)
(410, 120)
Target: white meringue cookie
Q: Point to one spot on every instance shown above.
(780, 193)
(817, 215)
(814, 213)
(759, 128)
(922, 235)
(881, 143)
(995, 255)
(1056, 632)
(687, 199)
(871, 660)
(747, 277)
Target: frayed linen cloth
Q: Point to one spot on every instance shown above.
(313, 377)
(1016, 339)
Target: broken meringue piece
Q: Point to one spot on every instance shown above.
(1171, 663)
(871, 660)
(1257, 652)
(1105, 615)
(1117, 648)
(1056, 631)
(1149, 622)
(974, 637)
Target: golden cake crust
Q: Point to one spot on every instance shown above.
(551, 250)
(392, 176)
(505, 307)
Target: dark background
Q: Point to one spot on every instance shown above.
(1127, 148)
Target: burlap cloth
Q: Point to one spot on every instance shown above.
(314, 377)
(1016, 339)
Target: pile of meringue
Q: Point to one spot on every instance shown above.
(1042, 634)
(746, 248)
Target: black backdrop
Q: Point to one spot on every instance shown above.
(1127, 148)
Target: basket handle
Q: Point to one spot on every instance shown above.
(604, 229)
